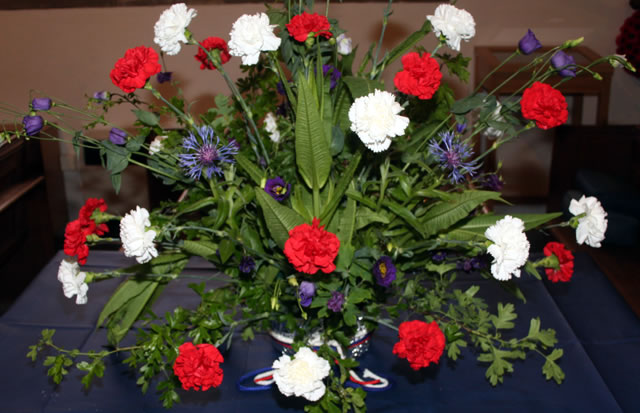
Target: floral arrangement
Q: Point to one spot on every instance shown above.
(331, 205)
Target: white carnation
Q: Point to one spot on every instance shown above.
(156, 144)
(272, 127)
(510, 248)
(72, 280)
(170, 27)
(593, 225)
(454, 24)
(302, 375)
(375, 119)
(250, 35)
(345, 44)
(136, 240)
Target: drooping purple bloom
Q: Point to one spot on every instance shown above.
(164, 77)
(529, 43)
(454, 156)
(32, 125)
(306, 291)
(564, 63)
(203, 156)
(41, 104)
(117, 136)
(278, 188)
(247, 264)
(461, 127)
(493, 182)
(280, 88)
(384, 271)
(336, 301)
(101, 96)
(439, 256)
(470, 264)
(334, 74)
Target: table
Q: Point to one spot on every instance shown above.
(597, 330)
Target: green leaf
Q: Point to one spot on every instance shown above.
(312, 149)
(347, 223)
(185, 208)
(116, 182)
(359, 86)
(358, 295)
(408, 43)
(168, 263)
(446, 213)
(405, 214)
(279, 218)
(247, 334)
(504, 317)
(117, 157)
(466, 105)
(546, 337)
(255, 173)
(550, 369)
(145, 117)
(201, 248)
(341, 188)
(226, 248)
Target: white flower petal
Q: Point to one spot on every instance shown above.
(73, 281)
(136, 240)
(510, 248)
(454, 24)
(593, 226)
(157, 144)
(272, 127)
(170, 27)
(302, 375)
(250, 35)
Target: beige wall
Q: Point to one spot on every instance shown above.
(69, 53)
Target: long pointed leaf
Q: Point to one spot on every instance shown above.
(343, 183)
(279, 218)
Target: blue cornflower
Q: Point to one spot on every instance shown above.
(453, 156)
(203, 155)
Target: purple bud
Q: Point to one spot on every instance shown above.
(384, 271)
(461, 127)
(439, 256)
(564, 63)
(101, 96)
(529, 43)
(117, 136)
(335, 74)
(278, 188)
(164, 77)
(41, 104)
(493, 182)
(32, 124)
(247, 264)
(306, 292)
(336, 301)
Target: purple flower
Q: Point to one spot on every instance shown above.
(384, 271)
(461, 127)
(102, 96)
(117, 136)
(336, 301)
(41, 104)
(164, 77)
(453, 156)
(203, 155)
(335, 74)
(247, 264)
(439, 256)
(280, 88)
(306, 292)
(470, 264)
(32, 124)
(529, 43)
(564, 63)
(493, 182)
(278, 188)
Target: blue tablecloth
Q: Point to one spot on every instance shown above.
(599, 333)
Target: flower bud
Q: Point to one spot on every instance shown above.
(529, 43)
(345, 45)
(101, 96)
(41, 104)
(572, 43)
(564, 63)
(32, 124)
(117, 136)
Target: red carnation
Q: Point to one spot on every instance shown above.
(89, 226)
(310, 248)
(420, 343)
(212, 43)
(301, 25)
(132, 71)
(545, 105)
(75, 241)
(198, 367)
(565, 260)
(420, 75)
